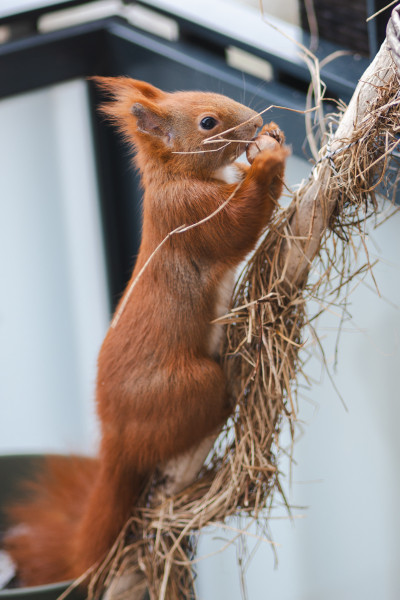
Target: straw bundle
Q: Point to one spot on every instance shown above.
(264, 333)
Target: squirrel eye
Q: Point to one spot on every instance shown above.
(208, 123)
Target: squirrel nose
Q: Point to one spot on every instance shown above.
(252, 119)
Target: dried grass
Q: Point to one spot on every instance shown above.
(264, 335)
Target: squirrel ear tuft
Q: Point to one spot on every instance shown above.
(134, 108)
(121, 87)
(147, 90)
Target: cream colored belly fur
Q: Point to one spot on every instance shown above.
(228, 174)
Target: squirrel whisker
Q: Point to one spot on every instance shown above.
(204, 151)
(302, 112)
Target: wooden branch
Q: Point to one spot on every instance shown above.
(312, 215)
(307, 225)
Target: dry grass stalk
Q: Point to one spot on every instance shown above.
(264, 336)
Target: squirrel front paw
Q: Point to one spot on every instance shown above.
(273, 130)
(269, 138)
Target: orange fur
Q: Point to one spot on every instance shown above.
(41, 544)
(160, 390)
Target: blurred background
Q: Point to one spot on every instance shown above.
(70, 229)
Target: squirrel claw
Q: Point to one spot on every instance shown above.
(273, 131)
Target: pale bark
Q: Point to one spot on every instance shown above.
(315, 207)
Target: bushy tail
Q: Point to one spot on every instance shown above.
(43, 527)
(75, 510)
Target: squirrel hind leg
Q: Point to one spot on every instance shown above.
(109, 506)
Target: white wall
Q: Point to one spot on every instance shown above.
(287, 10)
(53, 301)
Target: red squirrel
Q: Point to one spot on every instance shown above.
(160, 388)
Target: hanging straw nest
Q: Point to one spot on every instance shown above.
(262, 359)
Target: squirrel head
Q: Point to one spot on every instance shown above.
(172, 128)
